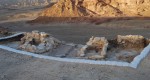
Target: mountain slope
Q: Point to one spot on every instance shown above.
(104, 8)
(65, 8)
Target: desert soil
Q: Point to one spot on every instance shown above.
(73, 32)
(21, 67)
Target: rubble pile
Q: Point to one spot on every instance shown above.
(38, 42)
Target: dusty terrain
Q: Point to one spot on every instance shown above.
(81, 32)
(21, 67)
(74, 32)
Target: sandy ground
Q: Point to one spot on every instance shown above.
(80, 33)
(74, 32)
(21, 67)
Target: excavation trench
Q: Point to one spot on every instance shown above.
(122, 48)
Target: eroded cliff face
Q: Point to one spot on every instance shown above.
(101, 8)
(116, 7)
(109, 8)
(65, 8)
(131, 7)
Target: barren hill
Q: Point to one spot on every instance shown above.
(65, 8)
(109, 8)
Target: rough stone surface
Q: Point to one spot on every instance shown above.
(65, 8)
(147, 41)
(124, 48)
(38, 42)
(101, 8)
(109, 8)
(98, 44)
(126, 7)
(131, 41)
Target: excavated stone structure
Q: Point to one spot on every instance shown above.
(122, 48)
(131, 41)
(128, 47)
(38, 42)
(98, 44)
(133, 45)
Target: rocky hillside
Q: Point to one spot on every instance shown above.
(24, 3)
(65, 8)
(109, 8)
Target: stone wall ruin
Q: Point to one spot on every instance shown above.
(124, 48)
(98, 45)
(38, 42)
(131, 41)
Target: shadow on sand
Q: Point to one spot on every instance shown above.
(94, 20)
